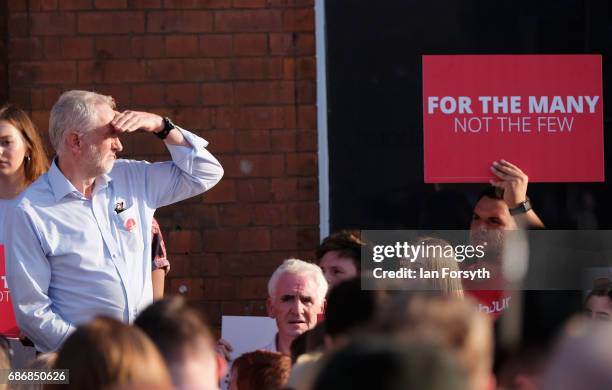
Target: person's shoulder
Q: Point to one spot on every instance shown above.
(38, 193)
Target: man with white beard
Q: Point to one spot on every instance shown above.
(80, 238)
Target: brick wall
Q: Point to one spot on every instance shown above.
(241, 73)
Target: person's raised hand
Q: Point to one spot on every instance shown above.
(129, 121)
(512, 180)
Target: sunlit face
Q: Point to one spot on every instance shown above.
(13, 150)
(337, 268)
(599, 307)
(295, 304)
(102, 144)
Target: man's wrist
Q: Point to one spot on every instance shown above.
(522, 207)
(168, 126)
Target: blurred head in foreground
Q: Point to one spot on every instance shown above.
(106, 353)
(386, 364)
(260, 370)
(185, 342)
(583, 359)
(453, 323)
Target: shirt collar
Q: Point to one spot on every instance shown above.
(61, 186)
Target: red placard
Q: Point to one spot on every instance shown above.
(543, 113)
(8, 325)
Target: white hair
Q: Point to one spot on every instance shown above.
(75, 110)
(302, 268)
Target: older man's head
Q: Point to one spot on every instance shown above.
(296, 296)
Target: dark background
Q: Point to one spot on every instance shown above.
(374, 93)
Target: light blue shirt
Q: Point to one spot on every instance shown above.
(71, 258)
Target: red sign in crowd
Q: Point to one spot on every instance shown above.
(8, 325)
(544, 113)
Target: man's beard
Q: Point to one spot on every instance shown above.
(493, 242)
(96, 164)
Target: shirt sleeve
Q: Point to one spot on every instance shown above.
(193, 170)
(28, 276)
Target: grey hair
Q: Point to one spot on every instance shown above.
(75, 110)
(303, 268)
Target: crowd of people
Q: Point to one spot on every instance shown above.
(85, 263)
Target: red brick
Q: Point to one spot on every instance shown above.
(149, 46)
(76, 47)
(43, 5)
(112, 71)
(283, 140)
(110, 4)
(219, 288)
(190, 288)
(44, 98)
(251, 264)
(180, 70)
(183, 241)
(253, 288)
(253, 190)
(303, 213)
(49, 72)
(306, 92)
(19, 25)
(292, 44)
(179, 21)
(257, 20)
(298, 19)
(197, 3)
(291, 3)
(289, 69)
(194, 265)
(119, 22)
(308, 189)
(264, 117)
(146, 4)
(51, 48)
(121, 94)
(41, 120)
(52, 23)
(257, 165)
(217, 94)
(250, 44)
(253, 239)
(192, 214)
(307, 117)
(267, 214)
(250, 4)
(21, 97)
(288, 238)
(182, 94)
(284, 188)
(253, 140)
(192, 118)
(219, 45)
(220, 240)
(25, 48)
(182, 46)
(306, 68)
(257, 68)
(302, 164)
(290, 117)
(264, 92)
(236, 215)
(307, 141)
(17, 5)
(112, 47)
(147, 95)
(223, 192)
(221, 141)
(75, 4)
